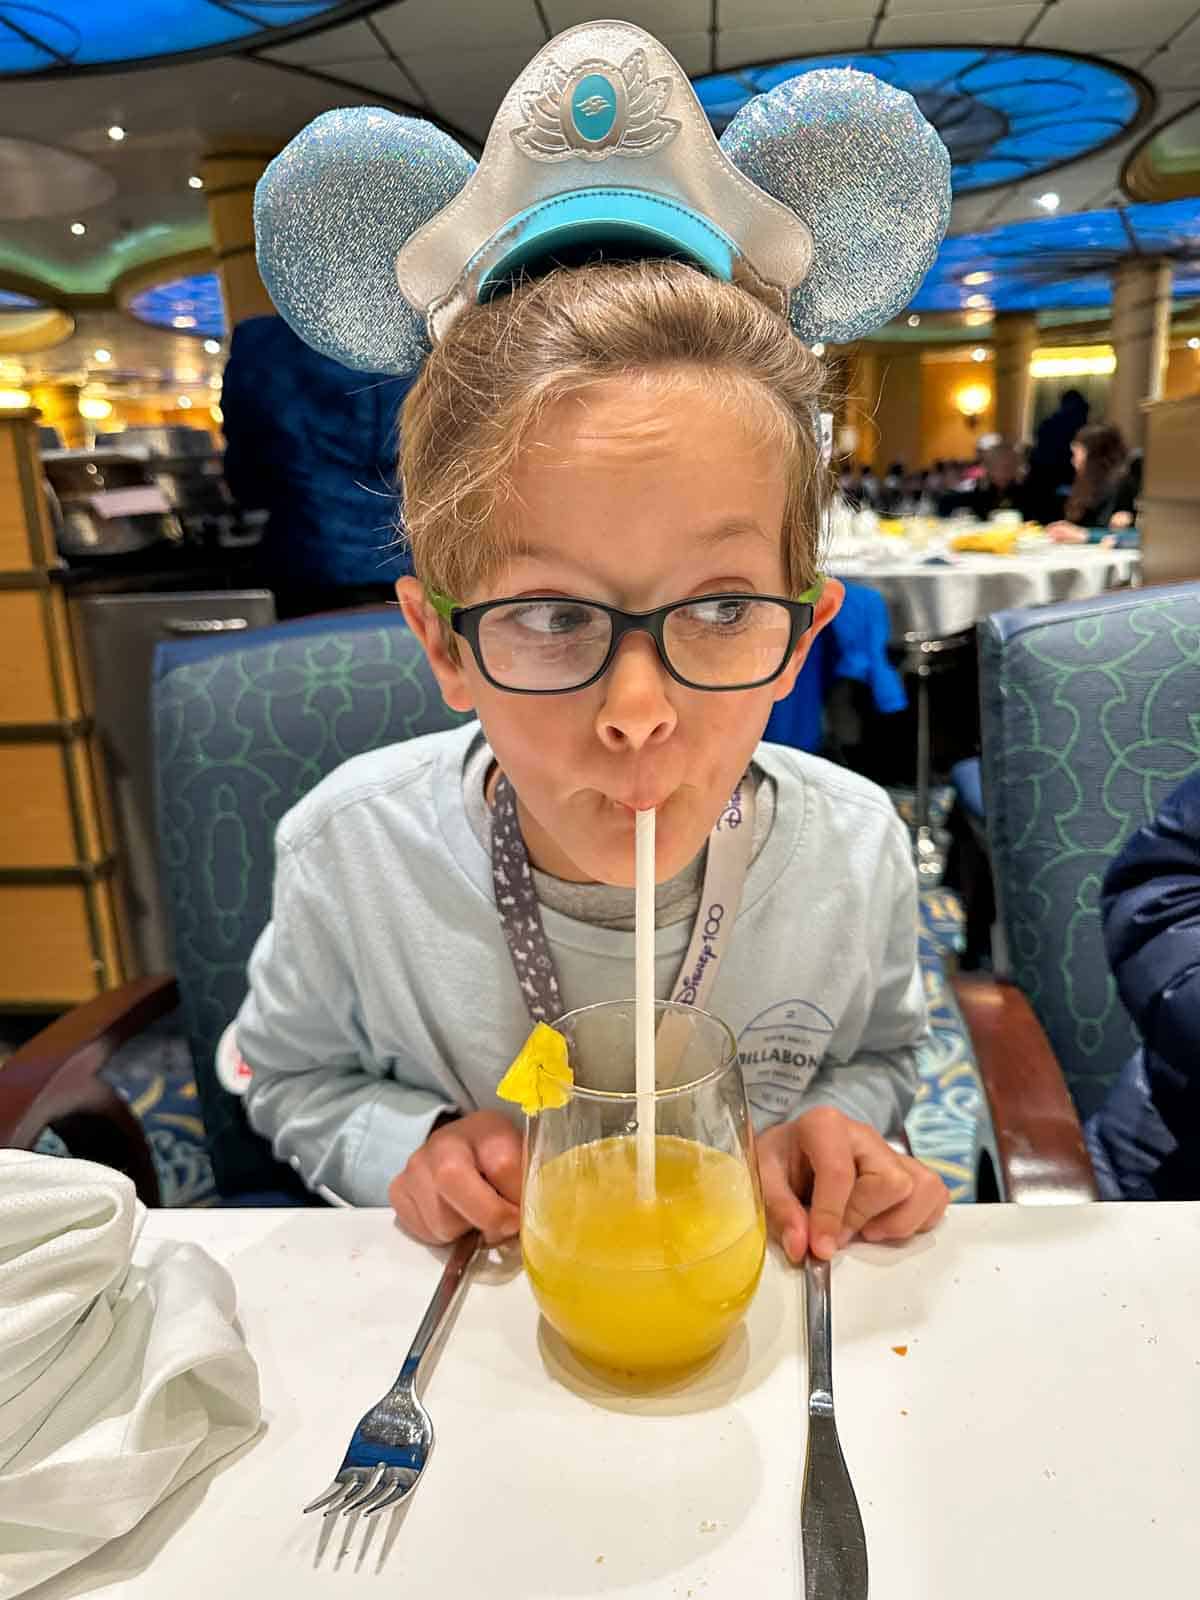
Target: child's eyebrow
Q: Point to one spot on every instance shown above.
(720, 533)
(731, 528)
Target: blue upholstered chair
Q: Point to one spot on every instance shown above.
(1091, 716)
(245, 725)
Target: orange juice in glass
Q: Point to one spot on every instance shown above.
(635, 1284)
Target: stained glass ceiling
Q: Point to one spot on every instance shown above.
(80, 33)
(1004, 115)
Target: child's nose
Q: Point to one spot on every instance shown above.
(636, 710)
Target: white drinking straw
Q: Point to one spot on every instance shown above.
(644, 1004)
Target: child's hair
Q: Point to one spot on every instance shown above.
(502, 364)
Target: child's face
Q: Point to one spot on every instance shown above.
(634, 495)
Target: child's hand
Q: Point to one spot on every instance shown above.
(852, 1179)
(466, 1175)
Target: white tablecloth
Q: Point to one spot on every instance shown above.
(939, 600)
(1038, 1438)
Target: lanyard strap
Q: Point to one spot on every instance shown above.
(729, 848)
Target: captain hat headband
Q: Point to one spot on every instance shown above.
(825, 198)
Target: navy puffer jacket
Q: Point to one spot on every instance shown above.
(1145, 1142)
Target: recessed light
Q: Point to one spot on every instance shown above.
(183, 322)
(212, 347)
(1048, 201)
(195, 182)
(116, 133)
(914, 321)
(79, 229)
(102, 355)
(979, 353)
(974, 279)
(1194, 344)
(184, 402)
(978, 302)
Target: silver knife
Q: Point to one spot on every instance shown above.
(831, 1530)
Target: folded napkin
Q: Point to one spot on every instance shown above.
(121, 1374)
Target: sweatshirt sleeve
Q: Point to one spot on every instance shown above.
(878, 1082)
(344, 1120)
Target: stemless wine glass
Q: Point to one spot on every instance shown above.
(637, 1285)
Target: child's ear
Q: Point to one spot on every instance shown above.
(826, 608)
(431, 631)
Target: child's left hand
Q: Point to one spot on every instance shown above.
(853, 1183)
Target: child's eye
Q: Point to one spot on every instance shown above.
(719, 613)
(552, 616)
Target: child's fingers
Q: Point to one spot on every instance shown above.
(440, 1222)
(786, 1217)
(918, 1214)
(499, 1155)
(461, 1187)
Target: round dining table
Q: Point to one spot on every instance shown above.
(935, 592)
(1017, 1397)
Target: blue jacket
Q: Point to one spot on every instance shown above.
(1145, 1141)
(853, 646)
(316, 445)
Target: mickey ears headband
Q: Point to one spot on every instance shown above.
(826, 198)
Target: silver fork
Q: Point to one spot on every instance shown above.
(392, 1442)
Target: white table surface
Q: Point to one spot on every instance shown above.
(1040, 1440)
(940, 600)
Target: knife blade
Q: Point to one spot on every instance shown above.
(832, 1539)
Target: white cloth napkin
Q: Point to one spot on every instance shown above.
(121, 1373)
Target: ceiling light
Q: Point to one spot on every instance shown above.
(116, 133)
(973, 279)
(818, 349)
(1194, 344)
(212, 347)
(184, 402)
(195, 182)
(102, 355)
(978, 302)
(1048, 201)
(79, 229)
(14, 399)
(216, 382)
(977, 319)
(95, 409)
(979, 353)
(183, 322)
(1097, 363)
(216, 413)
(914, 321)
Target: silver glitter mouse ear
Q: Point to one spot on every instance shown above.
(856, 161)
(331, 214)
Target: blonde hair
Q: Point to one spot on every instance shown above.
(504, 363)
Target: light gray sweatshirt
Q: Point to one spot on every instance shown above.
(382, 993)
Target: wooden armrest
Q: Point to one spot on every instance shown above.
(52, 1081)
(1043, 1157)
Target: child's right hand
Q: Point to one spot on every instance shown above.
(466, 1175)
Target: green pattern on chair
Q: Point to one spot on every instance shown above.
(243, 729)
(1091, 716)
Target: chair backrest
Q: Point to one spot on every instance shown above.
(1091, 716)
(244, 726)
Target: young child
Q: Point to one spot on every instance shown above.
(612, 446)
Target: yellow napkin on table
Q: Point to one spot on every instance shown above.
(987, 541)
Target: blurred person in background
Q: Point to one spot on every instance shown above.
(1100, 506)
(1050, 458)
(316, 446)
(999, 487)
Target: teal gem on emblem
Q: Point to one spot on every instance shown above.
(594, 107)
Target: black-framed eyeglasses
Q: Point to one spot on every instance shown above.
(550, 644)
